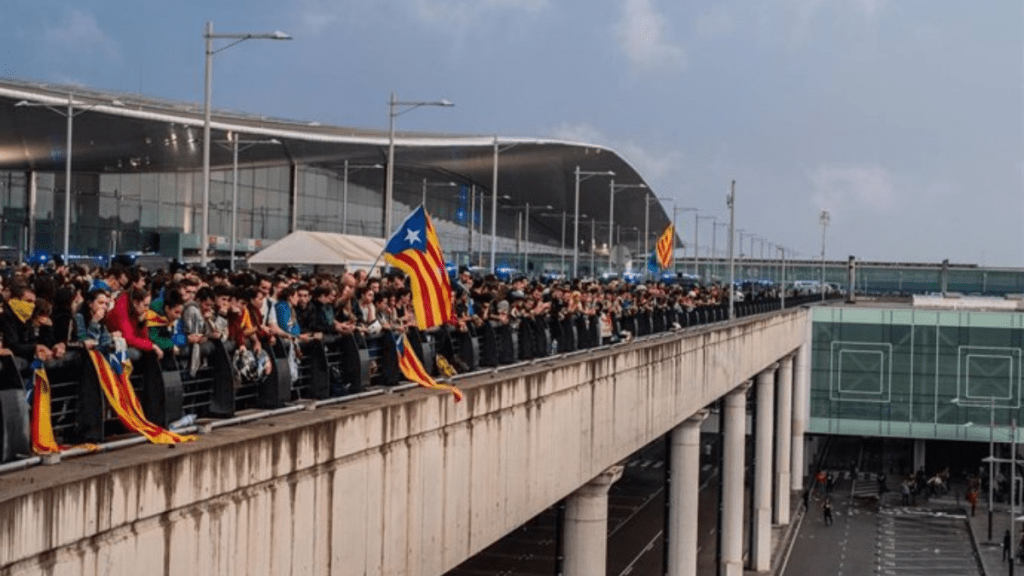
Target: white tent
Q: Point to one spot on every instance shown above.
(324, 250)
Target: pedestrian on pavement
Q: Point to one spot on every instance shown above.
(905, 493)
(830, 482)
(826, 507)
(807, 497)
(1006, 545)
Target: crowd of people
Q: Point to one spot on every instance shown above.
(50, 314)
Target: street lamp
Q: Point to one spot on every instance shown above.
(714, 242)
(70, 114)
(494, 206)
(581, 175)
(395, 109)
(782, 292)
(526, 233)
(235, 149)
(696, 241)
(613, 188)
(991, 452)
(348, 169)
(209, 37)
(436, 184)
(1012, 461)
(730, 201)
(824, 220)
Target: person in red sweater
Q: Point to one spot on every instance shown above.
(129, 318)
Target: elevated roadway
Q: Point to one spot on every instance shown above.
(408, 483)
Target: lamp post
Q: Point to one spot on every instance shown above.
(396, 108)
(494, 196)
(209, 37)
(991, 452)
(782, 292)
(612, 189)
(730, 201)
(348, 169)
(823, 218)
(526, 232)
(581, 175)
(696, 241)
(714, 240)
(235, 143)
(1012, 461)
(437, 184)
(70, 114)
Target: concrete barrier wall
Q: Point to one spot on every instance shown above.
(403, 484)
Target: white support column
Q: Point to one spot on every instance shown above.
(801, 411)
(761, 554)
(586, 526)
(684, 496)
(732, 481)
(919, 455)
(784, 426)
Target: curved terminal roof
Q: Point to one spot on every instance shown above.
(120, 132)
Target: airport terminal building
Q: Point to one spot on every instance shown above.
(136, 181)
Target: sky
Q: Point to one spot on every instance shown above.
(903, 118)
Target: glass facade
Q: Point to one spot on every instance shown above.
(915, 373)
(872, 279)
(121, 212)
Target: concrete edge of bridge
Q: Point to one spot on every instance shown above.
(785, 547)
(976, 546)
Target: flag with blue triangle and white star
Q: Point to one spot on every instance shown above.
(415, 249)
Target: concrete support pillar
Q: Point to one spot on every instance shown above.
(761, 554)
(732, 481)
(919, 456)
(783, 438)
(684, 496)
(801, 412)
(586, 526)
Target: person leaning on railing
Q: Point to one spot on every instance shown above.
(21, 331)
(169, 336)
(89, 326)
(128, 317)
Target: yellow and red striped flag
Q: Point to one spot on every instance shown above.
(414, 371)
(122, 399)
(415, 250)
(43, 440)
(665, 248)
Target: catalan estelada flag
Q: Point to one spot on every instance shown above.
(664, 250)
(122, 399)
(43, 441)
(415, 250)
(414, 371)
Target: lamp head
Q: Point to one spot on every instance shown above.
(278, 35)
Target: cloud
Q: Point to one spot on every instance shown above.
(858, 187)
(641, 33)
(653, 165)
(466, 14)
(796, 20)
(718, 22)
(79, 34)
